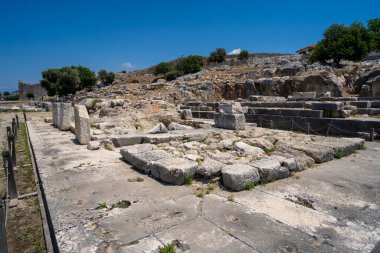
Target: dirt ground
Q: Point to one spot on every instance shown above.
(24, 223)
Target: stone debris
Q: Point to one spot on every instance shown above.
(175, 126)
(229, 121)
(158, 129)
(93, 145)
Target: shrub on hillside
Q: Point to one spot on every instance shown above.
(219, 55)
(190, 64)
(106, 77)
(172, 75)
(162, 68)
(12, 97)
(243, 55)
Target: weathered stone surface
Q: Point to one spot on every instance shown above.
(48, 119)
(82, 125)
(158, 129)
(245, 149)
(55, 113)
(269, 169)
(262, 143)
(126, 140)
(93, 145)
(172, 170)
(237, 176)
(229, 121)
(337, 106)
(210, 168)
(65, 116)
(140, 155)
(311, 94)
(175, 126)
(302, 160)
(186, 114)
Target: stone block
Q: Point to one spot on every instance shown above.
(360, 104)
(269, 169)
(375, 104)
(186, 114)
(159, 128)
(336, 106)
(65, 116)
(251, 151)
(229, 121)
(306, 95)
(172, 170)
(369, 111)
(237, 176)
(82, 124)
(210, 168)
(93, 145)
(287, 112)
(140, 155)
(126, 140)
(56, 109)
(175, 126)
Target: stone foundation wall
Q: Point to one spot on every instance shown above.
(36, 89)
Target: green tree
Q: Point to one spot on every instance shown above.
(340, 42)
(69, 81)
(29, 95)
(6, 93)
(243, 55)
(374, 30)
(162, 68)
(219, 55)
(189, 64)
(86, 76)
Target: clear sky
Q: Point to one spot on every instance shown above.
(121, 34)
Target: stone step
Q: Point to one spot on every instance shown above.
(287, 112)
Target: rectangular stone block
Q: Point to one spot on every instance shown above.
(82, 124)
(337, 106)
(312, 94)
(375, 104)
(360, 104)
(55, 113)
(126, 140)
(66, 114)
(287, 112)
(229, 121)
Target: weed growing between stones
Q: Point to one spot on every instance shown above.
(108, 147)
(189, 179)
(231, 198)
(250, 186)
(362, 147)
(169, 248)
(136, 179)
(338, 155)
(101, 206)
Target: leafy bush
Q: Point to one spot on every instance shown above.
(162, 68)
(12, 97)
(190, 64)
(172, 75)
(106, 77)
(6, 93)
(67, 80)
(340, 42)
(219, 55)
(29, 95)
(243, 55)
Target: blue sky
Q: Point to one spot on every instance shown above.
(41, 34)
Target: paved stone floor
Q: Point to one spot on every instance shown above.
(333, 207)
